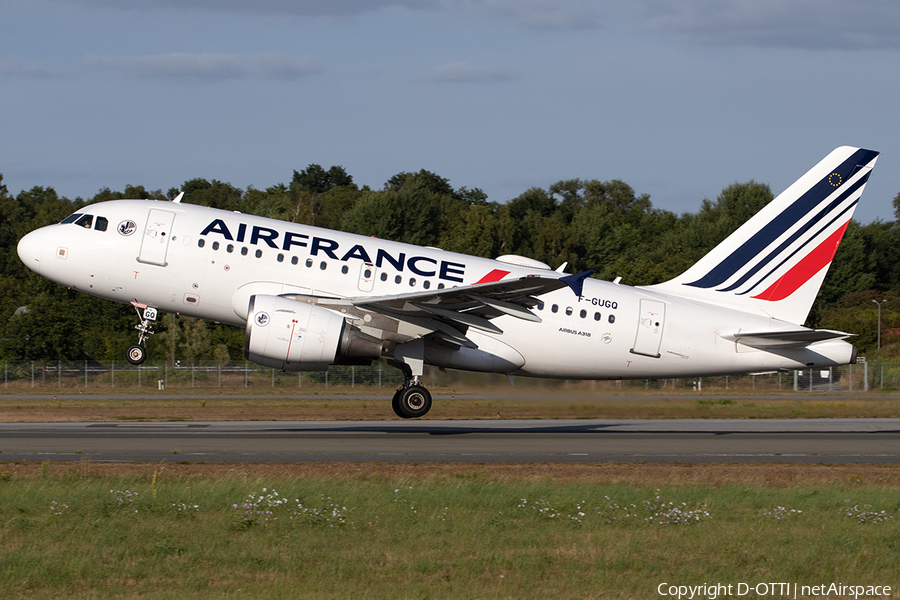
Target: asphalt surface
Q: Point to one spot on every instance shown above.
(520, 441)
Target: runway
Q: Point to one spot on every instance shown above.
(847, 441)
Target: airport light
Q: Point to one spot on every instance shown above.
(879, 320)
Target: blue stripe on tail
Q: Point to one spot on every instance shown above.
(777, 226)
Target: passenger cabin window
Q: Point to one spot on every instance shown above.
(101, 224)
(201, 243)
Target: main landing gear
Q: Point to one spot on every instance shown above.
(136, 352)
(412, 399)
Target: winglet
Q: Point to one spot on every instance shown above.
(576, 281)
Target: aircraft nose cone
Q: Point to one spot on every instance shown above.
(29, 250)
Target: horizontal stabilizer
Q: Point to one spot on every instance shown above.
(794, 338)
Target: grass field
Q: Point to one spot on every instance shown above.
(349, 404)
(440, 531)
(435, 530)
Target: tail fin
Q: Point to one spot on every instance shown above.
(775, 263)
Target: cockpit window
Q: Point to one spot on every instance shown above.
(70, 219)
(85, 221)
(101, 224)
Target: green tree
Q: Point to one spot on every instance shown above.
(196, 338)
(316, 196)
(170, 336)
(416, 208)
(717, 220)
(131, 192)
(316, 180)
(214, 194)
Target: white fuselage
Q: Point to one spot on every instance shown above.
(206, 263)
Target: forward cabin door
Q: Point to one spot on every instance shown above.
(650, 328)
(156, 237)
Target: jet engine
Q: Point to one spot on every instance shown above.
(295, 336)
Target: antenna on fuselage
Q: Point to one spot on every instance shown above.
(177, 199)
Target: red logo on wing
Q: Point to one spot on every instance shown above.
(495, 275)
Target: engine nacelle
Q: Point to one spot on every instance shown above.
(295, 336)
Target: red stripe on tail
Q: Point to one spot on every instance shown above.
(804, 270)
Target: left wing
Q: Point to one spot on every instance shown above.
(447, 314)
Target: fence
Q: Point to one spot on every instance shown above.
(58, 375)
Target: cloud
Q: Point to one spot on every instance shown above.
(208, 67)
(809, 24)
(466, 72)
(534, 14)
(531, 14)
(310, 8)
(16, 66)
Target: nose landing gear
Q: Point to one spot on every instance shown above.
(136, 352)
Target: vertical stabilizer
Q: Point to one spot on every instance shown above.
(775, 263)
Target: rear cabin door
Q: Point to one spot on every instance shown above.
(650, 328)
(156, 237)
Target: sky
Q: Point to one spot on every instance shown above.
(677, 99)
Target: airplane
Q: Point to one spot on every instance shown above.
(310, 297)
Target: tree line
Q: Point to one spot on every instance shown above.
(589, 224)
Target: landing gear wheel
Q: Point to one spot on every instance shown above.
(395, 403)
(136, 354)
(412, 402)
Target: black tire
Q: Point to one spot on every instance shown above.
(136, 354)
(414, 402)
(395, 403)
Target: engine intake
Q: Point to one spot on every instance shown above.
(295, 336)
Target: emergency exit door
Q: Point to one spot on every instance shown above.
(156, 237)
(650, 328)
